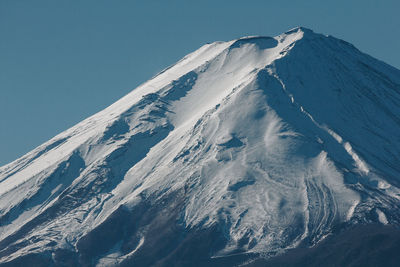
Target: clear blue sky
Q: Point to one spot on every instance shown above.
(62, 61)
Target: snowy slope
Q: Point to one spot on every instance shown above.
(263, 143)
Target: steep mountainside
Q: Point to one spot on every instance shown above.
(242, 150)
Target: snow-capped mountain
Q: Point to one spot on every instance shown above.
(250, 147)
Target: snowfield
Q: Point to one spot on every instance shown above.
(256, 145)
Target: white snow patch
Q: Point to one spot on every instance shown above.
(351, 210)
(381, 217)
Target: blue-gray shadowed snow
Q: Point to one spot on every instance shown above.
(240, 152)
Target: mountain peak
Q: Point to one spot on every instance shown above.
(266, 42)
(300, 28)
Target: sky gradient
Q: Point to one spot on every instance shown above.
(62, 61)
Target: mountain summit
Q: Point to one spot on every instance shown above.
(241, 151)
